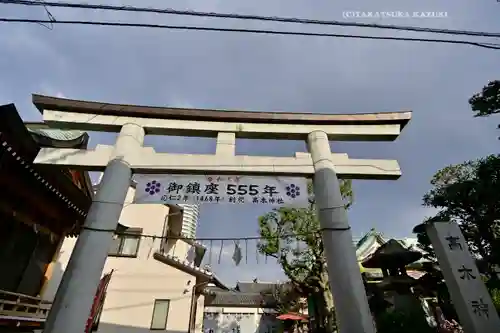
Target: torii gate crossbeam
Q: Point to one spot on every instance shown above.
(74, 298)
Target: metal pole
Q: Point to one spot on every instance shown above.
(349, 295)
(194, 306)
(75, 295)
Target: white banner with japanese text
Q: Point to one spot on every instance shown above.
(200, 189)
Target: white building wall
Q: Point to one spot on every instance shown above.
(240, 320)
(189, 220)
(137, 282)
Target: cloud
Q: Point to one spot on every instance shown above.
(274, 73)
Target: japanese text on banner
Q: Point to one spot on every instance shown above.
(196, 189)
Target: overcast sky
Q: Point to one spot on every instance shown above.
(275, 73)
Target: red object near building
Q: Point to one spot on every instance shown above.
(98, 304)
(291, 316)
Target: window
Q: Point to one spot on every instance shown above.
(160, 314)
(127, 244)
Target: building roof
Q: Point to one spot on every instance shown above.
(232, 298)
(257, 294)
(370, 242)
(51, 186)
(70, 105)
(189, 268)
(41, 129)
(229, 298)
(245, 294)
(390, 254)
(252, 287)
(45, 136)
(373, 239)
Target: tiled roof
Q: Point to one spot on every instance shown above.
(237, 299)
(392, 252)
(57, 134)
(252, 287)
(246, 294)
(370, 242)
(375, 273)
(253, 294)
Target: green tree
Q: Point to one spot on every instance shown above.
(399, 321)
(291, 235)
(486, 102)
(468, 194)
(465, 193)
(283, 297)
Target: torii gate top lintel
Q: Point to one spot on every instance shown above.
(63, 104)
(226, 126)
(382, 126)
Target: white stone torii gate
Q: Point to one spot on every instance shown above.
(74, 298)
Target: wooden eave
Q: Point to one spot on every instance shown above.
(390, 254)
(123, 110)
(21, 148)
(197, 272)
(80, 142)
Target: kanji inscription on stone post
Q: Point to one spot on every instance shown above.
(469, 294)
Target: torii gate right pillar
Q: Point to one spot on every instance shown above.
(351, 304)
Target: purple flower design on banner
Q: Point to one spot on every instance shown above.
(153, 187)
(293, 191)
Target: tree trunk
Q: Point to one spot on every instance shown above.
(324, 301)
(321, 313)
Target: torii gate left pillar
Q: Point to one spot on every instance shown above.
(73, 301)
(81, 278)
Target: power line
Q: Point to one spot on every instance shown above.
(246, 17)
(204, 239)
(493, 46)
(199, 239)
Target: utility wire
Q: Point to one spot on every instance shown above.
(202, 239)
(255, 165)
(246, 17)
(49, 15)
(198, 239)
(494, 46)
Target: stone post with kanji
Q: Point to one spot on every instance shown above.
(468, 292)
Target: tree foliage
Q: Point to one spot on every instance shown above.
(487, 101)
(469, 194)
(291, 235)
(399, 321)
(285, 298)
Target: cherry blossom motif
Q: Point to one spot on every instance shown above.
(153, 187)
(292, 191)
